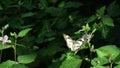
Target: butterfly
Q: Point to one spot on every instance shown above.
(72, 44)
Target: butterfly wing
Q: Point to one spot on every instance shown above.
(77, 45)
(69, 41)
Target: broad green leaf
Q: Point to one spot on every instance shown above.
(99, 61)
(18, 66)
(6, 46)
(7, 64)
(71, 62)
(108, 51)
(107, 21)
(28, 14)
(117, 66)
(26, 58)
(105, 31)
(91, 19)
(117, 59)
(97, 66)
(54, 65)
(73, 4)
(101, 11)
(24, 32)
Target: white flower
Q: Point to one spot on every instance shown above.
(84, 37)
(5, 40)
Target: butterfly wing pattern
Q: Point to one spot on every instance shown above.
(72, 44)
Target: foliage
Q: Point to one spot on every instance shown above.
(59, 34)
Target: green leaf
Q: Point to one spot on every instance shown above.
(73, 4)
(24, 32)
(99, 61)
(107, 21)
(71, 62)
(101, 11)
(61, 4)
(26, 58)
(7, 64)
(28, 14)
(117, 66)
(117, 59)
(108, 51)
(105, 31)
(98, 66)
(18, 66)
(6, 46)
(91, 19)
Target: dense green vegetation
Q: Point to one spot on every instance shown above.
(59, 34)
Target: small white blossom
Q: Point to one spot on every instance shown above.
(5, 40)
(84, 37)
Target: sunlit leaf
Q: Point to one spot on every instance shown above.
(6, 46)
(71, 62)
(98, 66)
(107, 21)
(24, 32)
(108, 51)
(99, 61)
(117, 59)
(117, 66)
(18, 66)
(101, 11)
(7, 64)
(91, 19)
(26, 58)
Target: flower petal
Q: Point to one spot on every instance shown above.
(5, 38)
(84, 37)
(8, 41)
(1, 38)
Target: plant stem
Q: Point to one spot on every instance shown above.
(0, 55)
(111, 63)
(2, 32)
(15, 49)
